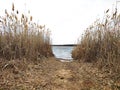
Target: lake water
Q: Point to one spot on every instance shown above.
(63, 52)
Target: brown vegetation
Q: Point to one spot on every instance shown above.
(23, 43)
(101, 44)
(20, 37)
(52, 74)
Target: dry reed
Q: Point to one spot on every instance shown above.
(101, 44)
(21, 38)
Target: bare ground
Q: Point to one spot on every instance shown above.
(52, 74)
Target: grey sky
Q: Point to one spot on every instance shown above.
(67, 19)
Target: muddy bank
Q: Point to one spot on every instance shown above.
(52, 74)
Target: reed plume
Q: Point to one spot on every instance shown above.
(101, 43)
(22, 38)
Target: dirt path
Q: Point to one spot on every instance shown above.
(51, 74)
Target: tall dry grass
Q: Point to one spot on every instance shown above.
(20, 37)
(101, 43)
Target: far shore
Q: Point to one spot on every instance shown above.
(64, 45)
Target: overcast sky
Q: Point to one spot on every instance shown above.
(67, 19)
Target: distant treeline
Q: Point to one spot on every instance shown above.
(65, 45)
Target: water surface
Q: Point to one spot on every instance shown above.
(63, 52)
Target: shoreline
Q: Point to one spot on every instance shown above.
(64, 60)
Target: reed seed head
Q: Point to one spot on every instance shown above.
(107, 11)
(13, 7)
(17, 12)
(5, 11)
(30, 18)
(23, 16)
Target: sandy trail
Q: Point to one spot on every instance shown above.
(52, 74)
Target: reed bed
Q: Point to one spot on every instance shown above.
(20, 37)
(101, 43)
